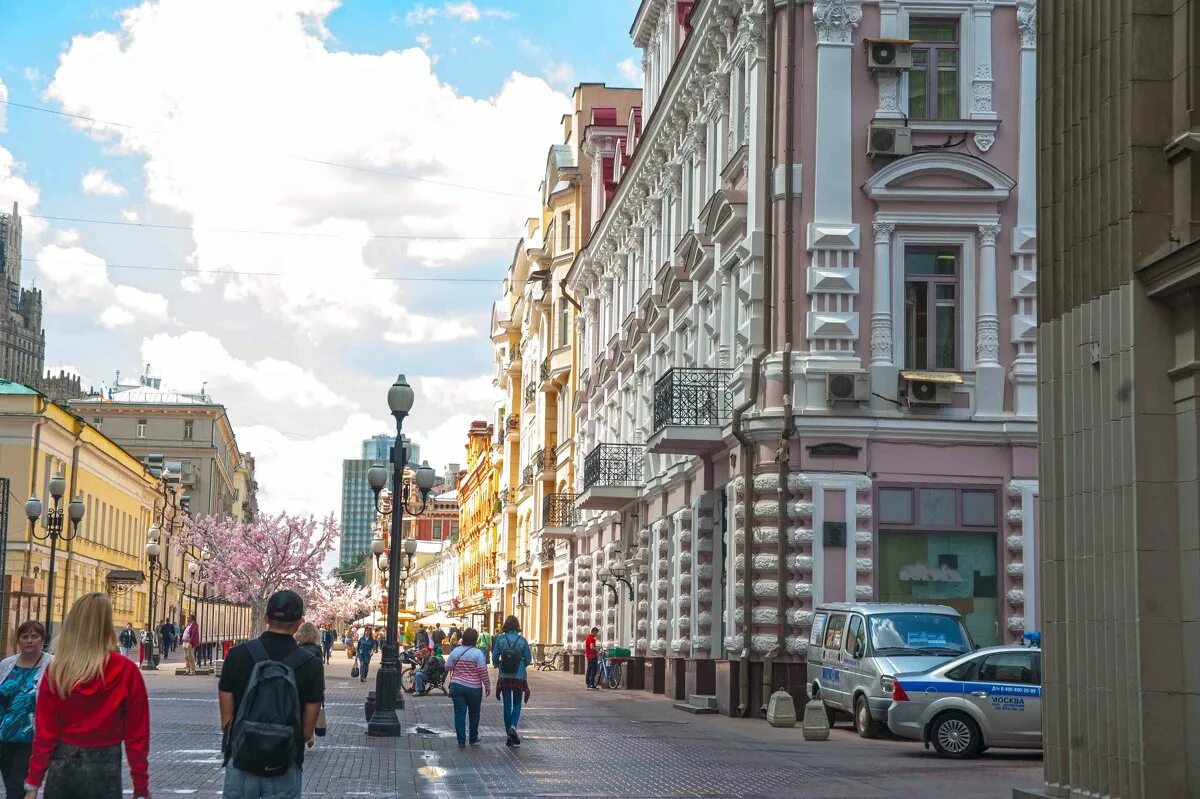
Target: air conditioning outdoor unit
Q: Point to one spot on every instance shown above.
(889, 139)
(847, 387)
(927, 393)
(889, 55)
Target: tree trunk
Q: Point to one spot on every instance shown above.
(258, 606)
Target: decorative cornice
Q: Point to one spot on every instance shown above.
(836, 20)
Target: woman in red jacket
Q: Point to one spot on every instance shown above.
(91, 700)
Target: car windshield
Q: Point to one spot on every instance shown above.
(918, 634)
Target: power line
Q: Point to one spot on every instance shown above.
(354, 167)
(239, 273)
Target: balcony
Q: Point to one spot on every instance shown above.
(691, 408)
(538, 462)
(527, 477)
(612, 476)
(560, 516)
(510, 496)
(530, 394)
(512, 427)
(544, 374)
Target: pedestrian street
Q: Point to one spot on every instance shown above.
(574, 743)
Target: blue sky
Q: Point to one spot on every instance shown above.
(300, 124)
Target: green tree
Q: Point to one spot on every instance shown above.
(351, 570)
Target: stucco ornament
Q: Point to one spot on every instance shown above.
(1027, 22)
(836, 20)
(987, 348)
(985, 140)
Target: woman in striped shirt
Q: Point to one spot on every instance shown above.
(469, 683)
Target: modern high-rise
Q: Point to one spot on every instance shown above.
(22, 340)
(1119, 343)
(358, 504)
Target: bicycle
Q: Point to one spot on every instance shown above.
(609, 672)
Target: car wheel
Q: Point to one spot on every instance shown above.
(956, 735)
(864, 725)
(830, 714)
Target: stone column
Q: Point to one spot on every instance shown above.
(881, 314)
(989, 375)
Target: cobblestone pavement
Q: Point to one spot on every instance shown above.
(576, 743)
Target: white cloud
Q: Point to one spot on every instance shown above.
(196, 356)
(461, 10)
(66, 237)
(465, 11)
(630, 71)
(424, 40)
(419, 15)
(97, 181)
(386, 112)
(478, 40)
(79, 279)
(129, 216)
(560, 74)
(15, 188)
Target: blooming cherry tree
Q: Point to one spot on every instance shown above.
(336, 601)
(247, 563)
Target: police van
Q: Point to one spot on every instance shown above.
(855, 649)
(991, 697)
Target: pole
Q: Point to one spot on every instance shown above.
(148, 663)
(385, 721)
(50, 588)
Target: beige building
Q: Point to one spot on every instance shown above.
(533, 329)
(1119, 371)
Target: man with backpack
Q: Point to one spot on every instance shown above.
(270, 693)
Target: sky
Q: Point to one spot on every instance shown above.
(289, 201)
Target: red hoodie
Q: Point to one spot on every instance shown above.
(589, 647)
(101, 712)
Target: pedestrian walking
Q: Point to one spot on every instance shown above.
(365, 649)
(327, 638)
(191, 642)
(270, 693)
(511, 656)
(167, 635)
(485, 640)
(592, 653)
(307, 638)
(127, 640)
(20, 676)
(421, 639)
(91, 701)
(437, 636)
(469, 681)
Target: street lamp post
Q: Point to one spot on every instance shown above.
(386, 721)
(153, 550)
(53, 529)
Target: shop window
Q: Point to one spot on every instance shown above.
(933, 79)
(935, 507)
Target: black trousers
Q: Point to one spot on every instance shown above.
(79, 773)
(14, 765)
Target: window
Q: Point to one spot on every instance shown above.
(856, 637)
(564, 321)
(933, 79)
(97, 422)
(453, 528)
(565, 234)
(437, 529)
(188, 430)
(931, 307)
(833, 633)
(1010, 667)
(141, 428)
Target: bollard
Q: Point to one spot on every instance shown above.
(781, 710)
(816, 721)
(369, 706)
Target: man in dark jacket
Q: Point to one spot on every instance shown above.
(127, 640)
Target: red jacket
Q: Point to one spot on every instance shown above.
(101, 712)
(191, 635)
(589, 647)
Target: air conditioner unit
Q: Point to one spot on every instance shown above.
(889, 139)
(888, 55)
(847, 387)
(927, 393)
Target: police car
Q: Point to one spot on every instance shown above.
(989, 697)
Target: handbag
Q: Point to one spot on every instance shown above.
(320, 729)
(354, 670)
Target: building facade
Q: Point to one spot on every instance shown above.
(39, 440)
(480, 511)
(1119, 343)
(807, 355)
(533, 332)
(22, 340)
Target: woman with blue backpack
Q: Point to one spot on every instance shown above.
(511, 656)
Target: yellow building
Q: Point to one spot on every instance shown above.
(39, 440)
(480, 512)
(533, 331)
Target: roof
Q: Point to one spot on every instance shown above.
(9, 387)
(145, 395)
(447, 496)
(871, 608)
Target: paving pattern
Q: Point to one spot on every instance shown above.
(576, 743)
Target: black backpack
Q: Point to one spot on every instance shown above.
(510, 656)
(267, 734)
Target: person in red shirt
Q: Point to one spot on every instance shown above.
(593, 659)
(91, 701)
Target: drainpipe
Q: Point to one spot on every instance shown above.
(783, 455)
(33, 479)
(747, 446)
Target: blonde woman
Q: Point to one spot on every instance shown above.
(91, 700)
(309, 637)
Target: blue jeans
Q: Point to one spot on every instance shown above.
(466, 701)
(593, 665)
(244, 785)
(418, 681)
(364, 664)
(512, 708)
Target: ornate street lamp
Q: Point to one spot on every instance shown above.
(385, 721)
(153, 550)
(52, 529)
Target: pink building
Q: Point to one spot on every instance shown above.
(807, 337)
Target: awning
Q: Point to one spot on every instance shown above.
(125, 577)
(932, 377)
(440, 617)
(378, 619)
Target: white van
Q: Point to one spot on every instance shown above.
(856, 648)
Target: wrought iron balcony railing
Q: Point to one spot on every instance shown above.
(552, 455)
(512, 568)
(559, 510)
(510, 496)
(549, 549)
(690, 397)
(527, 476)
(538, 461)
(545, 371)
(530, 393)
(513, 423)
(614, 465)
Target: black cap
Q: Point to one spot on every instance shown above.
(285, 606)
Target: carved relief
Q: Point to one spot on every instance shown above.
(988, 234)
(881, 339)
(889, 91)
(883, 231)
(987, 344)
(836, 20)
(1027, 22)
(981, 90)
(984, 141)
